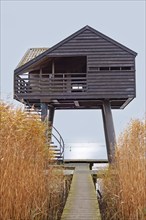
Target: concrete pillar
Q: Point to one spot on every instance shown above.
(109, 130)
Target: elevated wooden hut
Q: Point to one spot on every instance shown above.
(87, 70)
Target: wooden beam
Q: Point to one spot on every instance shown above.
(126, 103)
(53, 67)
(55, 101)
(76, 103)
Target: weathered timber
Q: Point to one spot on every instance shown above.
(87, 70)
(82, 201)
(109, 130)
(86, 64)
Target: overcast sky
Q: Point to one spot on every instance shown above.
(26, 24)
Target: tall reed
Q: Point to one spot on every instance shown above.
(124, 185)
(29, 190)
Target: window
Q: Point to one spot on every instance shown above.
(94, 68)
(104, 68)
(112, 68)
(126, 68)
(76, 64)
(115, 68)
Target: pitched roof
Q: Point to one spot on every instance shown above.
(31, 54)
(47, 51)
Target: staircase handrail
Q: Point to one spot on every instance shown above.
(59, 140)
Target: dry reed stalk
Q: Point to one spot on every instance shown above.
(26, 191)
(124, 183)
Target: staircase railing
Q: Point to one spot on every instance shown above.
(53, 134)
(57, 136)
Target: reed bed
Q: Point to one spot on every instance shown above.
(29, 188)
(124, 189)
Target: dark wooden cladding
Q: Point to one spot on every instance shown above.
(95, 82)
(85, 66)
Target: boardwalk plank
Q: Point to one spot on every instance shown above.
(82, 201)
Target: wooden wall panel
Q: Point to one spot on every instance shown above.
(102, 53)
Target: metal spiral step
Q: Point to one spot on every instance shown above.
(57, 145)
(56, 152)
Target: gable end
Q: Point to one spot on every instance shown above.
(52, 49)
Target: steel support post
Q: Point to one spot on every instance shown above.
(51, 115)
(109, 130)
(44, 111)
(50, 120)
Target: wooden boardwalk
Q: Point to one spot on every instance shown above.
(82, 201)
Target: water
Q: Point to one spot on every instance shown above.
(85, 151)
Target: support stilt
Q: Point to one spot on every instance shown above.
(44, 111)
(109, 130)
(50, 120)
(51, 115)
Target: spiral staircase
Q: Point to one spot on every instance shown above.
(54, 139)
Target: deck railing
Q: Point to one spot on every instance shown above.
(73, 86)
(47, 83)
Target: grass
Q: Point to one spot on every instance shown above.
(124, 188)
(32, 190)
(29, 190)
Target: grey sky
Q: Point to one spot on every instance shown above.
(26, 24)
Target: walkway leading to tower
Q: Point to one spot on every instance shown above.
(82, 201)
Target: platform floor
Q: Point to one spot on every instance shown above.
(82, 201)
